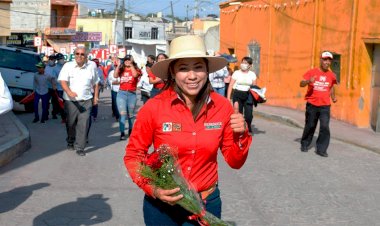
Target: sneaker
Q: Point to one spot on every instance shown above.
(122, 136)
(81, 153)
(35, 120)
(322, 154)
(42, 121)
(304, 149)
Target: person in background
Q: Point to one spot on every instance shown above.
(241, 82)
(95, 108)
(115, 85)
(150, 59)
(77, 78)
(41, 83)
(158, 83)
(6, 101)
(144, 85)
(50, 70)
(320, 84)
(227, 79)
(58, 67)
(197, 122)
(217, 79)
(126, 99)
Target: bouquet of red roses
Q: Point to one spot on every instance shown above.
(160, 169)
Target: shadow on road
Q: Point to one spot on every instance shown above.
(84, 211)
(49, 138)
(13, 198)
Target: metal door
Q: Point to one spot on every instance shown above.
(375, 96)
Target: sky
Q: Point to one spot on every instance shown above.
(153, 6)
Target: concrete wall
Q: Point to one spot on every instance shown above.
(98, 25)
(140, 26)
(5, 19)
(30, 16)
(291, 37)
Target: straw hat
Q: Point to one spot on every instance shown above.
(189, 46)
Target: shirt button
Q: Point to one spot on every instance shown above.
(189, 168)
(194, 133)
(193, 151)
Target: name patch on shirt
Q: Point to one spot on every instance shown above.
(213, 125)
(171, 127)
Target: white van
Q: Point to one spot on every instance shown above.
(17, 68)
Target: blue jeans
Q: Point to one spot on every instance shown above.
(45, 105)
(312, 115)
(126, 104)
(158, 213)
(221, 91)
(154, 92)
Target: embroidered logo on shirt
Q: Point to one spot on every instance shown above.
(213, 125)
(177, 127)
(167, 127)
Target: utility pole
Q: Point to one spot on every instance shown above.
(171, 6)
(187, 18)
(123, 5)
(116, 13)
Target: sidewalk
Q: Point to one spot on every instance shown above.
(365, 138)
(14, 138)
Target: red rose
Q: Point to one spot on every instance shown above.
(154, 161)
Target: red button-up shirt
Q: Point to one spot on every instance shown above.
(165, 119)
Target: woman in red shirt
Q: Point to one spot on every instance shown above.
(126, 99)
(157, 82)
(189, 116)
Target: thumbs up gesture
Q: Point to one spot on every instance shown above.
(237, 120)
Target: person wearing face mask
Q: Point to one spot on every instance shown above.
(240, 83)
(50, 70)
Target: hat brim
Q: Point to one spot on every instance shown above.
(161, 69)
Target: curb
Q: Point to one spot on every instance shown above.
(16, 146)
(291, 122)
(281, 119)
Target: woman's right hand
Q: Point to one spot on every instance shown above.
(167, 196)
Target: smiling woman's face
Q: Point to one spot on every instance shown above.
(190, 76)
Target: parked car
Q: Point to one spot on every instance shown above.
(17, 68)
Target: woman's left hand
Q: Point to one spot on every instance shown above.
(237, 120)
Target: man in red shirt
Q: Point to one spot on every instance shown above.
(320, 82)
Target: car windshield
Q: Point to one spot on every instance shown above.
(18, 60)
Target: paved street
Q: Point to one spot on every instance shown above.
(278, 185)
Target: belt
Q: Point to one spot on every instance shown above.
(204, 194)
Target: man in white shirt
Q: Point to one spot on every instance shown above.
(77, 78)
(217, 79)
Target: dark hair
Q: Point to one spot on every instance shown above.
(152, 57)
(202, 96)
(248, 59)
(163, 54)
(122, 65)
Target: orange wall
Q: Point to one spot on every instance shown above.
(292, 36)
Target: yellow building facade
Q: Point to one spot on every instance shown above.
(105, 26)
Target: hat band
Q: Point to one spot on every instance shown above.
(189, 53)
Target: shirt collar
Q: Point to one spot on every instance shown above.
(84, 65)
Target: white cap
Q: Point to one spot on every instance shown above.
(327, 54)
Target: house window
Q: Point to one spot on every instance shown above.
(128, 32)
(154, 33)
(254, 52)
